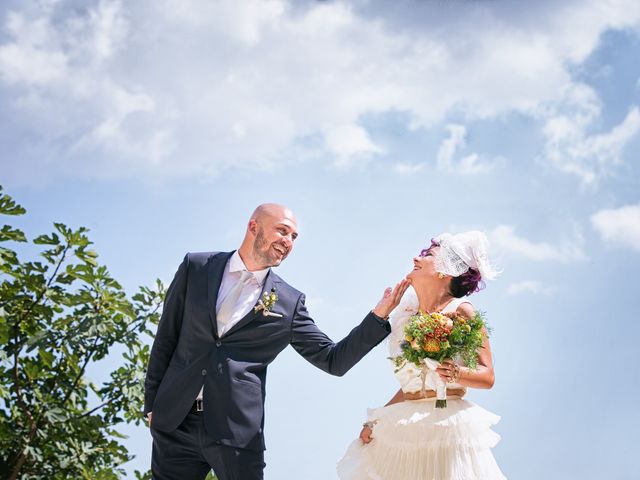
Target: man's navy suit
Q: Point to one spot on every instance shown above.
(188, 353)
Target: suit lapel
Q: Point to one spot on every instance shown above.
(270, 283)
(214, 279)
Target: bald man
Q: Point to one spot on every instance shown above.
(226, 316)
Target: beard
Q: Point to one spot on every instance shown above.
(263, 253)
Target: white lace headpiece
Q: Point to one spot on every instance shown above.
(462, 251)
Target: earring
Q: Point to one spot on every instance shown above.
(441, 275)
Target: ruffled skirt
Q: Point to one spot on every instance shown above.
(413, 440)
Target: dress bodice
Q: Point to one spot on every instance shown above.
(409, 375)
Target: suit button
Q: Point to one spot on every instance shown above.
(204, 372)
(218, 343)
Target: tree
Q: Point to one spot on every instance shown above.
(59, 315)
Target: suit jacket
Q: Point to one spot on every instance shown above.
(187, 352)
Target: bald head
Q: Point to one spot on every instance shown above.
(269, 238)
(272, 210)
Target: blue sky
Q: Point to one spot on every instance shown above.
(161, 125)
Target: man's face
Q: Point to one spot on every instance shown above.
(274, 238)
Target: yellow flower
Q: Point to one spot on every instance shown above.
(431, 345)
(267, 302)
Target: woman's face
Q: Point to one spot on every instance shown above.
(424, 265)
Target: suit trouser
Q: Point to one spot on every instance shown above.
(185, 453)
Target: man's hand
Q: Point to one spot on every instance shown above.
(149, 415)
(391, 299)
(366, 435)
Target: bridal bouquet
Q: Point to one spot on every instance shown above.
(431, 338)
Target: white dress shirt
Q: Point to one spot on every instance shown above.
(248, 297)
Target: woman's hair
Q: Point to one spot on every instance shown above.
(465, 284)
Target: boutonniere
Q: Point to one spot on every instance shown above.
(266, 303)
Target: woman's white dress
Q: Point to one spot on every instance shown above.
(413, 440)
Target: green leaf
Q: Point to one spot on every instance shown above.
(55, 414)
(4, 391)
(32, 370)
(9, 233)
(47, 357)
(64, 279)
(4, 328)
(52, 239)
(8, 206)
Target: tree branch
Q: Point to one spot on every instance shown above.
(47, 284)
(81, 372)
(93, 410)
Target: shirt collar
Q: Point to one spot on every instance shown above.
(237, 265)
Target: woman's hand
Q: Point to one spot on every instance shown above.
(391, 299)
(366, 435)
(449, 371)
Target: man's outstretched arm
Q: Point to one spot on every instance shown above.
(338, 358)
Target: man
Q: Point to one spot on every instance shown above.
(227, 316)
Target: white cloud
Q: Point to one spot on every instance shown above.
(619, 226)
(504, 238)
(530, 286)
(193, 87)
(350, 144)
(570, 147)
(470, 164)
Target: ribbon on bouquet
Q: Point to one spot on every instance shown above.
(432, 380)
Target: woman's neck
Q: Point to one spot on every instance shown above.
(433, 299)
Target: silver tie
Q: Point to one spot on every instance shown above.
(228, 306)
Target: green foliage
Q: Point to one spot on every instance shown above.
(59, 315)
(439, 337)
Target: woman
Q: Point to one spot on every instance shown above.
(409, 438)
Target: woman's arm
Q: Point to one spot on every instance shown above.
(480, 377)
(365, 433)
